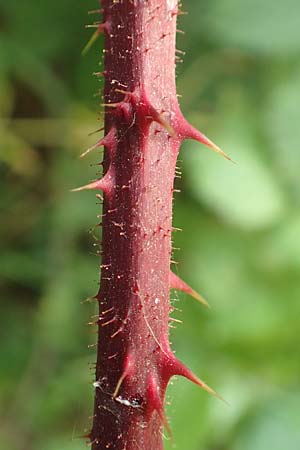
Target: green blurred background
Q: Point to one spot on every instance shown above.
(240, 245)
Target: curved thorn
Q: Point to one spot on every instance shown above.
(96, 131)
(180, 369)
(189, 132)
(157, 117)
(108, 141)
(164, 123)
(179, 284)
(98, 144)
(98, 184)
(128, 370)
(161, 413)
(156, 403)
(150, 112)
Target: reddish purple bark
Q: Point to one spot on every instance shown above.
(144, 130)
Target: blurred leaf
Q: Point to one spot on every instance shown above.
(255, 25)
(281, 119)
(246, 194)
(6, 95)
(274, 425)
(282, 247)
(238, 391)
(21, 267)
(32, 24)
(18, 155)
(60, 397)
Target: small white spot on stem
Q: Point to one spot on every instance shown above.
(126, 402)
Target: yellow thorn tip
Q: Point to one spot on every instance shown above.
(218, 150)
(208, 389)
(92, 185)
(200, 299)
(119, 384)
(90, 42)
(89, 150)
(166, 125)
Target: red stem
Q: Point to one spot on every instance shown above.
(144, 129)
(133, 334)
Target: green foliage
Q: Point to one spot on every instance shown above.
(240, 243)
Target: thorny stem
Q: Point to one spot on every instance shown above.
(144, 129)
